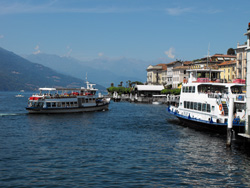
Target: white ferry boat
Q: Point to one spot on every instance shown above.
(205, 104)
(67, 100)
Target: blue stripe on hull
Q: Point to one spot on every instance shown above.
(210, 125)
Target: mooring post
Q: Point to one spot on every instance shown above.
(230, 122)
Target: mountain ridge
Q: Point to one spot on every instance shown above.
(18, 73)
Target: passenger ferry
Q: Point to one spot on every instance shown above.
(205, 104)
(67, 100)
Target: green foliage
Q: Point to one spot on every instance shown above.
(120, 90)
(169, 86)
(230, 51)
(136, 83)
(176, 91)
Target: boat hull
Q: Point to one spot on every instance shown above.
(33, 110)
(207, 125)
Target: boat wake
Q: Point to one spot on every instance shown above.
(12, 114)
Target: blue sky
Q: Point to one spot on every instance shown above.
(139, 29)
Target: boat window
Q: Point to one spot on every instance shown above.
(59, 104)
(67, 104)
(199, 106)
(40, 104)
(191, 105)
(236, 90)
(185, 104)
(190, 89)
(193, 89)
(71, 103)
(195, 106)
(183, 89)
(208, 108)
(188, 104)
(63, 104)
(240, 106)
(75, 103)
(204, 107)
(53, 104)
(48, 104)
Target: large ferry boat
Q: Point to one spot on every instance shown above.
(67, 100)
(204, 102)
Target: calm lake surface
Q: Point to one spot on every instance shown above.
(131, 145)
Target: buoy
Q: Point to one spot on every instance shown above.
(220, 107)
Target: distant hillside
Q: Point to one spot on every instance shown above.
(103, 71)
(17, 73)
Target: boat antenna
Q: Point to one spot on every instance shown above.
(207, 60)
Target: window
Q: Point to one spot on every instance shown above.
(190, 89)
(191, 105)
(185, 104)
(48, 104)
(199, 106)
(193, 89)
(188, 104)
(195, 106)
(208, 108)
(204, 107)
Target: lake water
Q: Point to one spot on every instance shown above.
(131, 145)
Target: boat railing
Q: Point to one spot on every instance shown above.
(216, 95)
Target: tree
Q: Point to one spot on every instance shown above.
(136, 83)
(230, 51)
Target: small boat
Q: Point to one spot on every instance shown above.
(19, 94)
(206, 104)
(158, 99)
(67, 100)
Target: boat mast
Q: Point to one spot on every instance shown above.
(207, 61)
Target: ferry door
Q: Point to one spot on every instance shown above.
(79, 102)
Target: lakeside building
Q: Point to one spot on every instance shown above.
(180, 73)
(170, 70)
(175, 72)
(241, 61)
(212, 61)
(228, 70)
(156, 75)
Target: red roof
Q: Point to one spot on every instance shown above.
(227, 63)
(164, 66)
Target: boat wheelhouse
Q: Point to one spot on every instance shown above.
(67, 100)
(205, 102)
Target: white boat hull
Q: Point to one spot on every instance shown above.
(31, 110)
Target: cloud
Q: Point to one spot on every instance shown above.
(54, 6)
(37, 50)
(1, 36)
(178, 11)
(170, 52)
(69, 51)
(100, 54)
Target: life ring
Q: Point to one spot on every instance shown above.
(220, 107)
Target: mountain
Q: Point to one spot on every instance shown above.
(103, 71)
(17, 73)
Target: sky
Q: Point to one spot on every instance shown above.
(139, 29)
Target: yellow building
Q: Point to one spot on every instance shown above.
(228, 69)
(156, 75)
